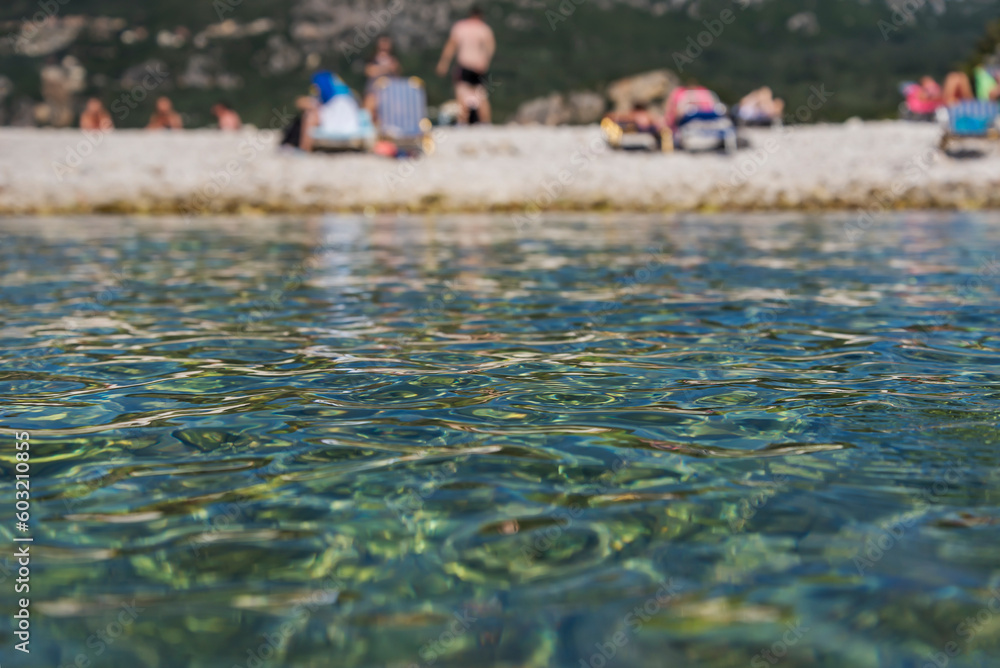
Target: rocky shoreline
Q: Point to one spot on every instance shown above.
(523, 170)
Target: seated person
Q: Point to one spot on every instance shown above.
(958, 87)
(644, 122)
(229, 120)
(761, 106)
(96, 117)
(164, 117)
(924, 97)
(331, 108)
(686, 100)
(383, 64)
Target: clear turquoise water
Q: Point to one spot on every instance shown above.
(436, 442)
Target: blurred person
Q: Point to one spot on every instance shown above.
(472, 45)
(957, 88)
(922, 99)
(646, 123)
(688, 99)
(96, 117)
(331, 107)
(760, 106)
(383, 64)
(929, 92)
(164, 117)
(229, 120)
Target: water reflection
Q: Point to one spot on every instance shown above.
(638, 441)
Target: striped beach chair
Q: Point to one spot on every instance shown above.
(971, 120)
(402, 113)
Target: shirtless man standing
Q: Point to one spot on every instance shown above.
(472, 44)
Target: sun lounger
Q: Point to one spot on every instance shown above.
(402, 113)
(623, 134)
(699, 121)
(971, 120)
(706, 131)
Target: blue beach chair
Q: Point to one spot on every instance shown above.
(402, 113)
(971, 120)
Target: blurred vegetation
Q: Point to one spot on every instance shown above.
(989, 45)
(852, 54)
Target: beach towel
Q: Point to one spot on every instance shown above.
(686, 101)
(972, 119)
(340, 116)
(921, 100)
(329, 85)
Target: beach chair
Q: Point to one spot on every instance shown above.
(700, 127)
(973, 120)
(402, 113)
(622, 134)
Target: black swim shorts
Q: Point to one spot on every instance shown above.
(470, 76)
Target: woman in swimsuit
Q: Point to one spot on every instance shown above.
(383, 64)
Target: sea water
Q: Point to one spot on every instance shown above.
(587, 441)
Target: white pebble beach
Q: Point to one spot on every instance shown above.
(517, 169)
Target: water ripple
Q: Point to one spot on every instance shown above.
(348, 431)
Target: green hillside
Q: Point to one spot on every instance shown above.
(539, 51)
